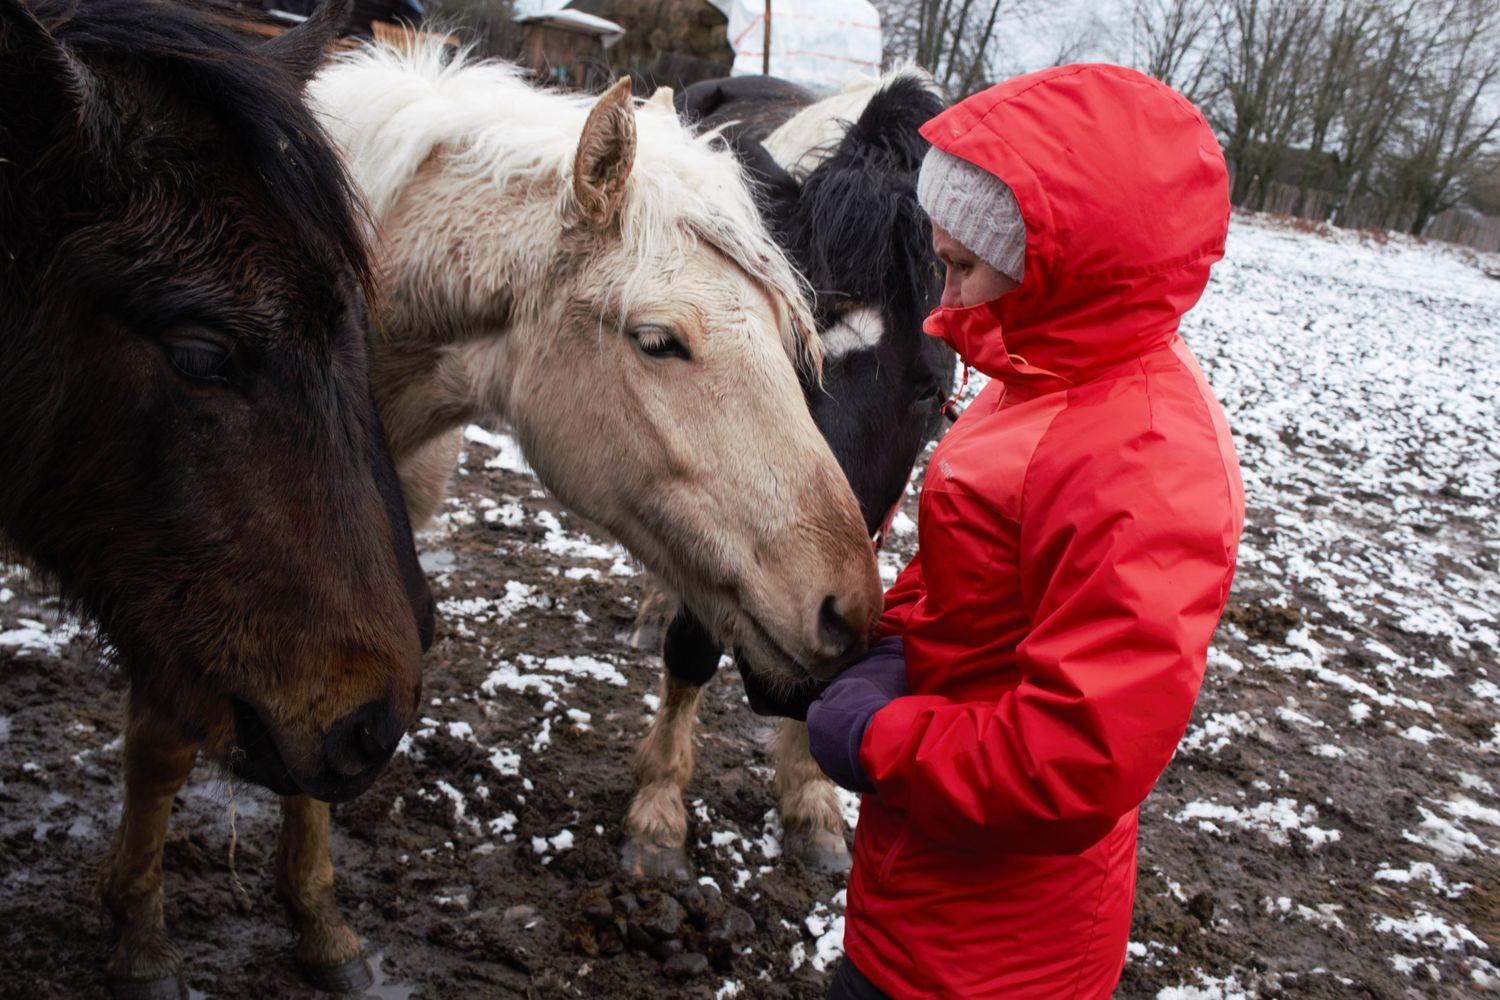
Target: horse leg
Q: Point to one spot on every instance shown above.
(651, 619)
(143, 964)
(808, 804)
(656, 824)
(327, 952)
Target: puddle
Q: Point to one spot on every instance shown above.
(383, 988)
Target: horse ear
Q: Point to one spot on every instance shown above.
(44, 88)
(606, 152)
(661, 97)
(699, 100)
(302, 49)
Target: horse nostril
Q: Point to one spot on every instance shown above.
(362, 740)
(835, 635)
(369, 743)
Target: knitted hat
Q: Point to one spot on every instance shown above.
(976, 208)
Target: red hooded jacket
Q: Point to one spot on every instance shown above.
(1078, 528)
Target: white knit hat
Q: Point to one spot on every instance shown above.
(976, 208)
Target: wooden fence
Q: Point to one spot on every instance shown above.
(1457, 225)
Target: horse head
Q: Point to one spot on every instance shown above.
(187, 433)
(594, 274)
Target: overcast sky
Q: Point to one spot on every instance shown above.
(1063, 31)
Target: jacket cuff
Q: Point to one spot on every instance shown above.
(890, 743)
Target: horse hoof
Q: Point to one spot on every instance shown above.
(821, 851)
(656, 862)
(166, 988)
(353, 976)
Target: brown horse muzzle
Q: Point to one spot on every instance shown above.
(352, 755)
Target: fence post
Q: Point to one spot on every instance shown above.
(765, 55)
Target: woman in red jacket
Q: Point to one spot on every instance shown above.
(1037, 661)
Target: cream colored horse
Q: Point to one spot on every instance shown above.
(593, 274)
(596, 276)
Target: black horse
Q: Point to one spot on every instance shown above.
(853, 227)
(855, 231)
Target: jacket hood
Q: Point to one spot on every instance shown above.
(1125, 196)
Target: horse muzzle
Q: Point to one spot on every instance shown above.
(351, 756)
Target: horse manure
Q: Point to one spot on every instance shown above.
(691, 898)
(625, 904)
(596, 908)
(687, 965)
(736, 926)
(689, 929)
(1201, 908)
(664, 917)
(637, 937)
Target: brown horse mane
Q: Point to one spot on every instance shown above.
(202, 47)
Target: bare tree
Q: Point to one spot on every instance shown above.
(1441, 150)
(1381, 90)
(1174, 41)
(1265, 46)
(956, 40)
(1340, 55)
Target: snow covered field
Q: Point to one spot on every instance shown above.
(1330, 827)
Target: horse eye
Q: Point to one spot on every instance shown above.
(659, 342)
(198, 356)
(925, 390)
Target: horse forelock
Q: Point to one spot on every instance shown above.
(857, 230)
(392, 109)
(197, 51)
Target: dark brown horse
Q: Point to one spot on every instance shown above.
(187, 442)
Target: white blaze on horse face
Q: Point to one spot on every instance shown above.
(857, 330)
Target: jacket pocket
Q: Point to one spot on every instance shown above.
(888, 862)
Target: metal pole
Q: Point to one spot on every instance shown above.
(765, 56)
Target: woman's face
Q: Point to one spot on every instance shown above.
(970, 280)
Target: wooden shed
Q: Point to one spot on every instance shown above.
(568, 48)
(671, 42)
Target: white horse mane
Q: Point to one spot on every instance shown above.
(395, 106)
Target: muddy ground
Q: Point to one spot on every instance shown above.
(1329, 828)
(455, 910)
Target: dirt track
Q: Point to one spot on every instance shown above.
(457, 911)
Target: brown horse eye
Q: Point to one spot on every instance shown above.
(199, 358)
(659, 342)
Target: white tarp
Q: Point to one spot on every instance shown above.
(817, 43)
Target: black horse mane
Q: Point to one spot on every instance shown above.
(197, 47)
(856, 222)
